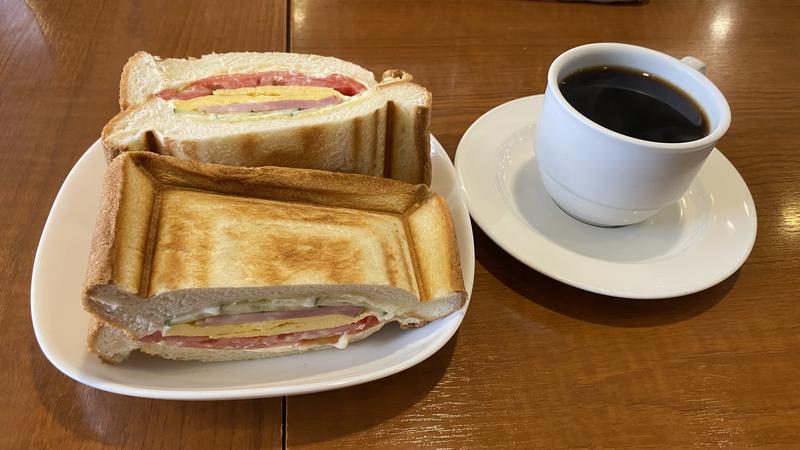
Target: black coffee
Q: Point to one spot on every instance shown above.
(635, 104)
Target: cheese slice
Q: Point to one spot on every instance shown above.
(256, 95)
(265, 328)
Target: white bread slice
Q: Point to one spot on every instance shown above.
(146, 74)
(384, 131)
(174, 237)
(113, 345)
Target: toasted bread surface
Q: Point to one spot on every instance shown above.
(210, 240)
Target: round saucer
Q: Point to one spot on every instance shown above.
(689, 246)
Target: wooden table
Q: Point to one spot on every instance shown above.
(536, 363)
(59, 77)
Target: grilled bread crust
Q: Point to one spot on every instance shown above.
(174, 236)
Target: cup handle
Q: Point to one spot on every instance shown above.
(695, 64)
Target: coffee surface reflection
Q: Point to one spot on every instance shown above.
(635, 103)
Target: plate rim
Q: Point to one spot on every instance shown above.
(251, 391)
(496, 235)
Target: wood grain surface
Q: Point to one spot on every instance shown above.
(59, 75)
(538, 364)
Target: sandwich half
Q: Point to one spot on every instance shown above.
(210, 262)
(278, 109)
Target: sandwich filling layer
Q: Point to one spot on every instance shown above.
(264, 92)
(268, 328)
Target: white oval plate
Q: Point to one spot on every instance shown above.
(60, 323)
(687, 247)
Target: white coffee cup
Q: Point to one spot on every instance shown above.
(606, 178)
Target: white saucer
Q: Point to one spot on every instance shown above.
(689, 246)
(60, 323)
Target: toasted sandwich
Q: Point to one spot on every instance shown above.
(211, 262)
(278, 109)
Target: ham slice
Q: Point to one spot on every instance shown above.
(262, 341)
(344, 84)
(194, 91)
(234, 81)
(206, 86)
(351, 311)
(270, 106)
